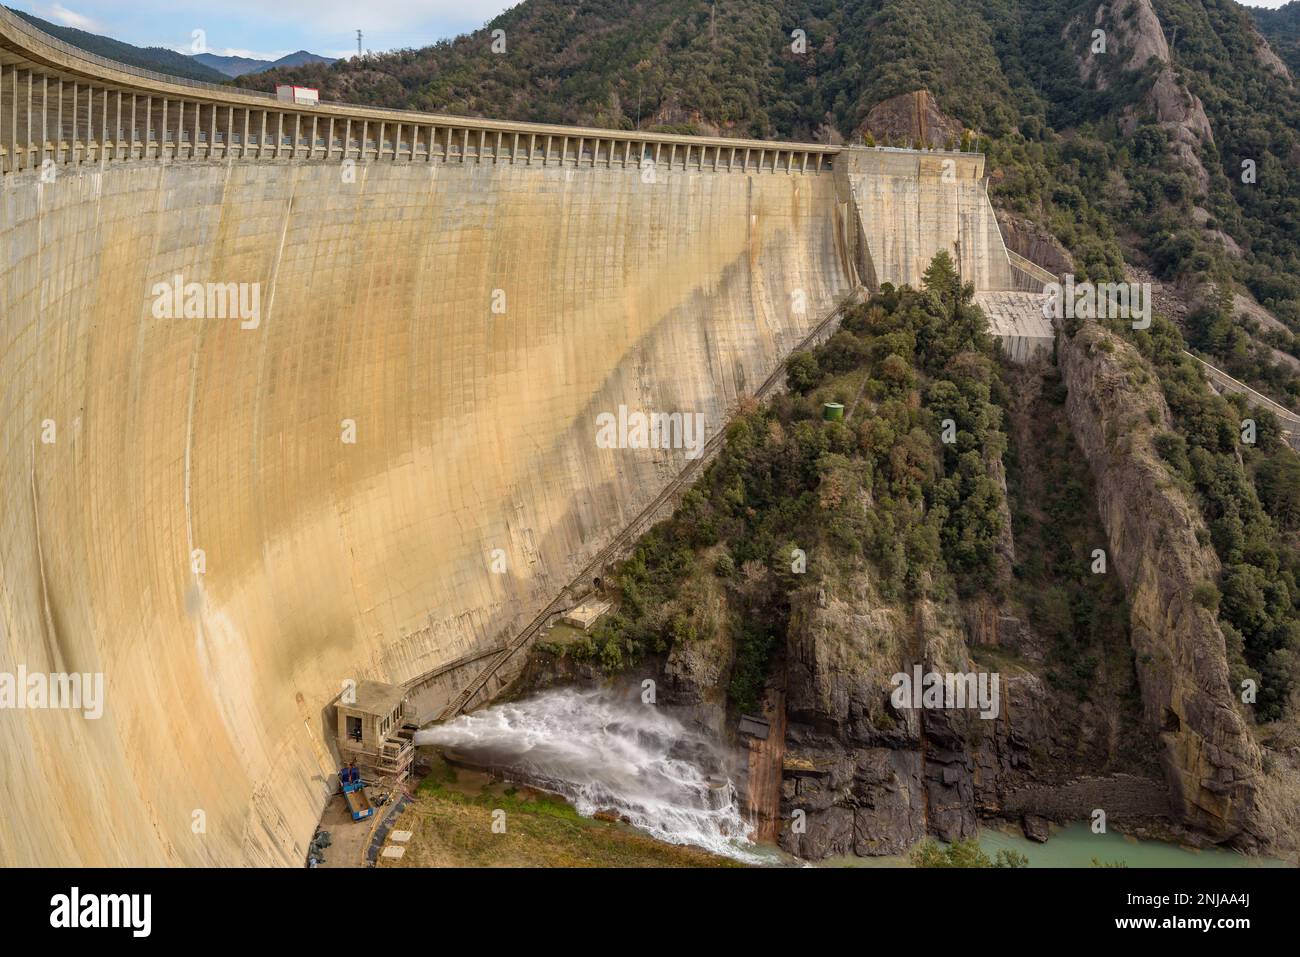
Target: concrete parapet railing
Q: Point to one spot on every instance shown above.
(65, 105)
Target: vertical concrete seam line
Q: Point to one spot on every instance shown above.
(189, 450)
(279, 252)
(264, 324)
(142, 326)
(919, 179)
(51, 640)
(360, 606)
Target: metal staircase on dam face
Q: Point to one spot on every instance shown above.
(397, 753)
(627, 537)
(1033, 273)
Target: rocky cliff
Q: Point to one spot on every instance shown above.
(1126, 36)
(872, 779)
(1209, 756)
(854, 773)
(1036, 243)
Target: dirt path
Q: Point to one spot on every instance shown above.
(348, 838)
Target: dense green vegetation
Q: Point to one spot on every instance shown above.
(913, 367)
(1082, 615)
(1282, 28)
(930, 853)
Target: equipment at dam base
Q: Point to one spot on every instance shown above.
(354, 793)
(473, 431)
(373, 731)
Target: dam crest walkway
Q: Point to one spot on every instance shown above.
(67, 106)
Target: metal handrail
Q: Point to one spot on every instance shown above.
(1236, 385)
(1036, 271)
(635, 528)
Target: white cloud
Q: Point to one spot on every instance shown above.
(71, 18)
(272, 24)
(386, 17)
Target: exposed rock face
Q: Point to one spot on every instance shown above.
(697, 670)
(1034, 242)
(1134, 39)
(1266, 58)
(1182, 114)
(912, 119)
(1201, 216)
(872, 779)
(1210, 759)
(1124, 797)
(1037, 829)
(1133, 35)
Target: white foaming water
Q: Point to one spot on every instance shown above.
(600, 752)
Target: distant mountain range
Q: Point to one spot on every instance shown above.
(233, 66)
(202, 66)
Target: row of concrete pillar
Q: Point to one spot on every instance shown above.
(69, 121)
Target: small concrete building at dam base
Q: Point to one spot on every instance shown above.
(364, 449)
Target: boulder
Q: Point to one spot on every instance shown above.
(1036, 828)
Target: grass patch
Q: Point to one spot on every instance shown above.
(451, 825)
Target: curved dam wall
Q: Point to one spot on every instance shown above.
(181, 509)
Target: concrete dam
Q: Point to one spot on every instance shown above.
(365, 448)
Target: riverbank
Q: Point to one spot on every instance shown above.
(464, 818)
(452, 815)
(1076, 846)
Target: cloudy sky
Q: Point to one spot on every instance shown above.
(271, 28)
